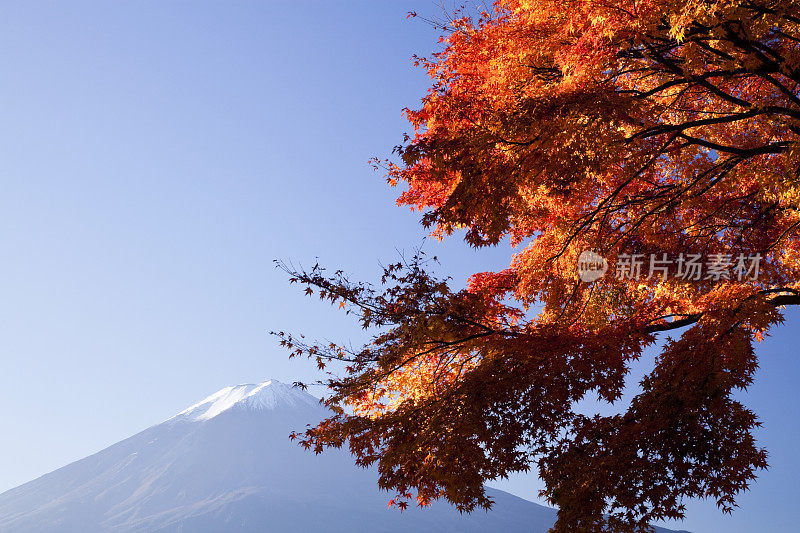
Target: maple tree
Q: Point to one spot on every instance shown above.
(637, 128)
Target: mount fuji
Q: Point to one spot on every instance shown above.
(226, 464)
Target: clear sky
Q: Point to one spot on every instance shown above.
(155, 157)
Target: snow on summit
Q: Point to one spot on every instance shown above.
(257, 396)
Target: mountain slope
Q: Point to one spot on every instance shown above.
(226, 464)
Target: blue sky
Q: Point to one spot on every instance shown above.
(155, 157)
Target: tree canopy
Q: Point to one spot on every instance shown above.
(660, 137)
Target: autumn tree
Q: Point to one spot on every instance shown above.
(662, 136)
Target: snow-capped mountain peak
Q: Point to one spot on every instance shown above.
(226, 465)
(269, 394)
